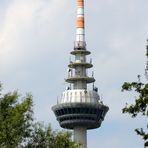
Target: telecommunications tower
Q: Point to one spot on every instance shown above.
(80, 108)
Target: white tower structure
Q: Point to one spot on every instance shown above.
(79, 108)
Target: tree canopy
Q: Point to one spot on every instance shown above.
(44, 137)
(18, 128)
(141, 102)
(15, 119)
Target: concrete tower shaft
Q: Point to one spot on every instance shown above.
(78, 70)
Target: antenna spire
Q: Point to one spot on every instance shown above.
(80, 25)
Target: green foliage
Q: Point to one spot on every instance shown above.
(15, 119)
(141, 102)
(43, 137)
(17, 128)
(140, 105)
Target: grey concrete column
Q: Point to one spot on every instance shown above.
(80, 136)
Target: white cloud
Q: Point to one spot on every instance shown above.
(27, 25)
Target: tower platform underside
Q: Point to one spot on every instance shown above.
(88, 115)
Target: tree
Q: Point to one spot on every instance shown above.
(15, 119)
(141, 102)
(44, 137)
(18, 129)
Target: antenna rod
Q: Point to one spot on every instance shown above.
(80, 31)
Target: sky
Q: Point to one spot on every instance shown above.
(36, 37)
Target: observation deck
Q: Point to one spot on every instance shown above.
(80, 108)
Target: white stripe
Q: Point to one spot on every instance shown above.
(80, 15)
(80, 11)
(80, 31)
(80, 38)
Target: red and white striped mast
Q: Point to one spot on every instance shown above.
(80, 25)
(80, 28)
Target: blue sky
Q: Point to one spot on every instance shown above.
(36, 37)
